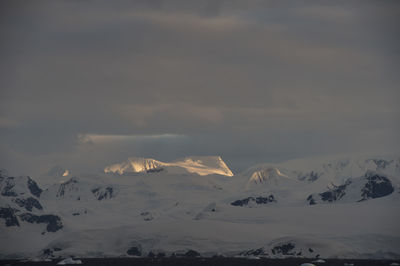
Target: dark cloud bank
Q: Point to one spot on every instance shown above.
(87, 83)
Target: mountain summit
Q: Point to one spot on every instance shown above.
(201, 165)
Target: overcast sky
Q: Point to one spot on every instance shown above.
(89, 83)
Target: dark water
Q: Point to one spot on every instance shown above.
(205, 262)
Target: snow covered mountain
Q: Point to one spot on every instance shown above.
(20, 204)
(340, 207)
(201, 165)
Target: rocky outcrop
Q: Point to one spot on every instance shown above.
(134, 251)
(377, 186)
(53, 221)
(28, 203)
(103, 192)
(34, 188)
(8, 214)
(253, 201)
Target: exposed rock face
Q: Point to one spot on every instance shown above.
(155, 170)
(311, 200)
(14, 186)
(8, 214)
(70, 185)
(7, 185)
(103, 193)
(311, 176)
(18, 205)
(370, 186)
(53, 221)
(377, 186)
(333, 194)
(285, 249)
(252, 200)
(28, 203)
(188, 254)
(134, 251)
(147, 216)
(34, 188)
(254, 252)
(156, 255)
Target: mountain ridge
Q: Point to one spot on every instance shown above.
(201, 165)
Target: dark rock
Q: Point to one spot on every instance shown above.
(253, 252)
(312, 176)
(311, 250)
(53, 221)
(147, 216)
(377, 186)
(67, 186)
(7, 188)
(284, 249)
(103, 193)
(8, 214)
(242, 202)
(154, 255)
(311, 200)
(155, 170)
(335, 193)
(47, 252)
(134, 251)
(257, 200)
(28, 203)
(34, 188)
(76, 214)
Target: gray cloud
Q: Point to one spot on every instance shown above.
(252, 81)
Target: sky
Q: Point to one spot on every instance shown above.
(88, 83)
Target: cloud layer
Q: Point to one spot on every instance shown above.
(252, 81)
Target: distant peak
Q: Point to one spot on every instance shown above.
(267, 175)
(58, 171)
(201, 165)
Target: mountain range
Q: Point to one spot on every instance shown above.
(345, 207)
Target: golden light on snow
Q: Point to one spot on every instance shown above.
(201, 165)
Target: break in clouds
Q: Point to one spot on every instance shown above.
(85, 84)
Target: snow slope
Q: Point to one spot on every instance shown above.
(201, 165)
(264, 211)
